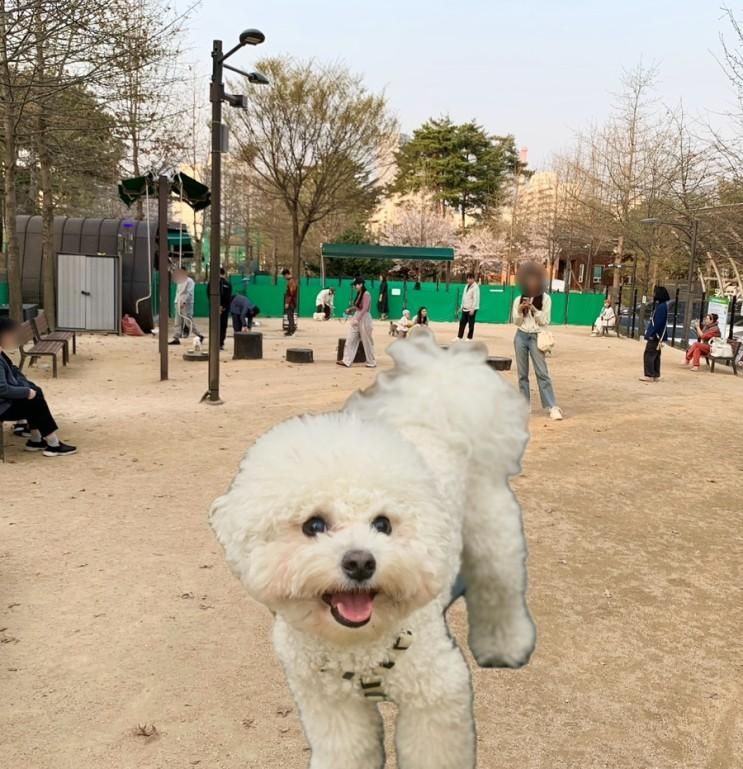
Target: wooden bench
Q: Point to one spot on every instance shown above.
(735, 345)
(39, 349)
(45, 334)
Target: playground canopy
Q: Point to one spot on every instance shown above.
(366, 251)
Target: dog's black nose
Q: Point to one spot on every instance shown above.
(358, 565)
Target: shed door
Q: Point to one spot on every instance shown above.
(71, 282)
(101, 312)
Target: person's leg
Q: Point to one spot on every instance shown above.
(249, 319)
(648, 358)
(546, 391)
(291, 320)
(237, 325)
(366, 329)
(353, 339)
(224, 317)
(521, 350)
(698, 350)
(471, 324)
(37, 414)
(462, 324)
(328, 312)
(656, 362)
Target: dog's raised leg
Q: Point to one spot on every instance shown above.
(343, 731)
(435, 723)
(502, 633)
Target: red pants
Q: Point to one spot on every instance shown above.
(695, 352)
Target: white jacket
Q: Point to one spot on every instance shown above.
(471, 298)
(534, 320)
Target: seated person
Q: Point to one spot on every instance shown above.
(606, 320)
(706, 331)
(242, 311)
(324, 303)
(421, 318)
(401, 327)
(23, 401)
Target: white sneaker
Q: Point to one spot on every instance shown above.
(556, 413)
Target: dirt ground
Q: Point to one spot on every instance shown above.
(117, 610)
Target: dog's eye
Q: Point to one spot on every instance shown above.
(382, 524)
(314, 526)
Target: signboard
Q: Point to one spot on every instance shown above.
(719, 305)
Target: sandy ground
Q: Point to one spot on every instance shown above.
(117, 608)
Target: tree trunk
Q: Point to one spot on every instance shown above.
(296, 255)
(11, 210)
(47, 223)
(617, 277)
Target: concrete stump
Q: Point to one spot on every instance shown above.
(499, 363)
(360, 355)
(195, 356)
(299, 355)
(248, 346)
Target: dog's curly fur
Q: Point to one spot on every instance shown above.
(430, 446)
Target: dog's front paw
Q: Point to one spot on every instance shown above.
(504, 644)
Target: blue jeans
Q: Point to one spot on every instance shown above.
(525, 346)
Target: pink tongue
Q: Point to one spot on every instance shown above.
(355, 607)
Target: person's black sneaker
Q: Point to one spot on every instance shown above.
(60, 450)
(21, 430)
(202, 338)
(36, 445)
(174, 341)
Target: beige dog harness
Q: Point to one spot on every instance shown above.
(372, 686)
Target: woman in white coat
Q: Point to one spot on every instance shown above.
(360, 328)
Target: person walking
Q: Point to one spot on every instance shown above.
(383, 302)
(184, 301)
(531, 314)
(360, 328)
(655, 334)
(469, 308)
(290, 302)
(225, 299)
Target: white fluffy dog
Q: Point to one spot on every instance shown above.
(352, 527)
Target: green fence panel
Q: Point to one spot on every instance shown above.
(583, 309)
(4, 293)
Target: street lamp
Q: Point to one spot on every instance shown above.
(216, 96)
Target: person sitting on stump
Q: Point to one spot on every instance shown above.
(243, 311)
(324, 302)
(23, 401)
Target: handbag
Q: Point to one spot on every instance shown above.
(545, 341)
(719, 348)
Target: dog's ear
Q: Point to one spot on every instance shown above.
(229, 527)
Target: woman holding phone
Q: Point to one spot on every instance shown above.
(531, 314)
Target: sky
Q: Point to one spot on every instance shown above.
(539, 69)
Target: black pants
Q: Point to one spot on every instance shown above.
(237, 321)
(224, 317)
(35, 412)
(291, 320)
(651, 359)
(324, 309)
(467, 320)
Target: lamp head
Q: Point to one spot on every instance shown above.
(251, 37)
(257, 79)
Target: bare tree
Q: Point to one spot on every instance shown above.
(317, 139)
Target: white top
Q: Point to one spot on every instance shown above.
(184, 293)
(471, 297)
(325, 297)
(534, 320)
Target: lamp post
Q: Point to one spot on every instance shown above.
(216, 96)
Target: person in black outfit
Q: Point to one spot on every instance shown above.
(225, 299)
(383, 303)
(655, 334)
(23, 401)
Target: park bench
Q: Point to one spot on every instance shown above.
(39, 348)
(735, 345)
(45, 334)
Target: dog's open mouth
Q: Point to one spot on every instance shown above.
(351, 608)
